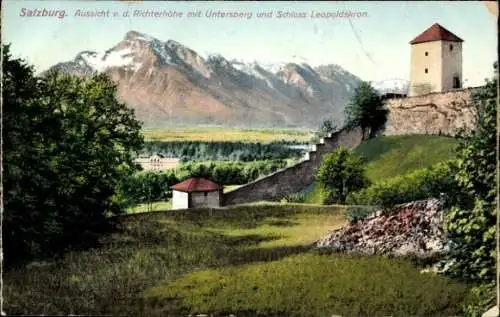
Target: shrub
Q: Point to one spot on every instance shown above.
(342, 172)
(425, 183)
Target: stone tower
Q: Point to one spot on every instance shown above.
(436, 61)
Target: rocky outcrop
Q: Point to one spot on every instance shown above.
(435, 113)
(414, 228)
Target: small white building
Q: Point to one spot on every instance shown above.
(158, 163)
(196, 193)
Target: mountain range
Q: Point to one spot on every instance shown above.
(169, 84)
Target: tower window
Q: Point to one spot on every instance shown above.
(451, 47)
(426, 53)
(456, 82)
(426, 70)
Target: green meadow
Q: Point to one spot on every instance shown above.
(254, 260)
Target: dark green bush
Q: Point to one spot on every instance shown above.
(432, 182)
(341, 173)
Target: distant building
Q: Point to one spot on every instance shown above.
(158, 162)
(436, 61)
(196, 193)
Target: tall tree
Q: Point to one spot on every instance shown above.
(366, 109)
(68, 143)
(328, 126)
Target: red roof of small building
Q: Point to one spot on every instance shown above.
(436, 33)
(196, 184)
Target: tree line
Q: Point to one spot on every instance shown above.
(223, 151)
(151, 186)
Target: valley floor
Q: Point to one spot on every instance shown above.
(249, 260)
(208, 133)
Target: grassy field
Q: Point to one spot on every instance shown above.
(227, 134)
(315, 285)
(249, 260)
(391, 156)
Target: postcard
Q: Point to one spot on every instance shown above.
(219, 158)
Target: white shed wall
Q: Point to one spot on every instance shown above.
(179, 200)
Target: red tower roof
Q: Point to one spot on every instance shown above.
(436, 33)
(196, 184)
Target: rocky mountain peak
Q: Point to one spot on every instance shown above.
(134, 35)
(170, 83)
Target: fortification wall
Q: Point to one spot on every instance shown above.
(294, 178)
(434, 113)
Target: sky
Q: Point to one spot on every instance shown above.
(374, 46)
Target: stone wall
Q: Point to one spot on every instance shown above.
(433, 113)
(295, 178)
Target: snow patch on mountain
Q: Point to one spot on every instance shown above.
(159, 48)
(102, 61)
(247, 69)
(253, 69)
(273, 67)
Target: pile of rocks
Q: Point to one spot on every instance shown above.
(414, 228)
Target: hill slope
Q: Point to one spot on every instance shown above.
(391, 156)
(168, 83)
